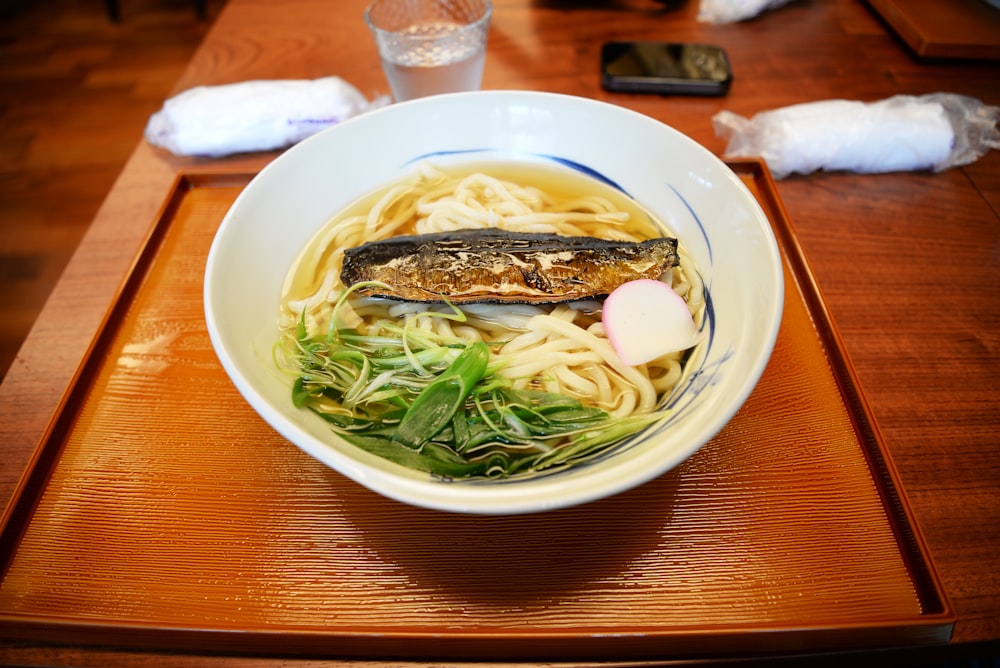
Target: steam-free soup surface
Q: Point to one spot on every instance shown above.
(552, 392)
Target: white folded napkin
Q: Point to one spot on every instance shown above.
(901, 133)
(730, 11)
(256, 115)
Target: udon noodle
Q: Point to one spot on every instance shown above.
(556, 348)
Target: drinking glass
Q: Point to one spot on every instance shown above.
(430, 46)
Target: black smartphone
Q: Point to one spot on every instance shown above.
(667, 68)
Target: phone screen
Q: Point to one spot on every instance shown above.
(662, 67)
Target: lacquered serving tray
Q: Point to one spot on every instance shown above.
(964, 29)
(161, 512)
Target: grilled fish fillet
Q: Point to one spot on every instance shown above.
(492, 265)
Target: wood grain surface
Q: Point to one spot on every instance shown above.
(933, 29)
(908, 263)
(76, 90)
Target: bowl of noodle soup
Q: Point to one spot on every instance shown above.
(329, 365)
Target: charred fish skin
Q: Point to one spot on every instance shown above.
(500, 266)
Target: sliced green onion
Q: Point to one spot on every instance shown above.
(441, 400)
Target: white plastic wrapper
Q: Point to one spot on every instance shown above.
(901, 133)
(252, 116)
(731, 11)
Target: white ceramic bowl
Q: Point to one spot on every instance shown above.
(691, 190)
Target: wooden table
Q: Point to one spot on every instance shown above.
(909, 263)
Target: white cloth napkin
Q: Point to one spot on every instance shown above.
(901, 133)
(256, 115)
(730, 11)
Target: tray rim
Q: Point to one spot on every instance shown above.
(934, 625)
(862, 416)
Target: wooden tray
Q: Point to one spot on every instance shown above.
(964, 29)
(161, 512)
